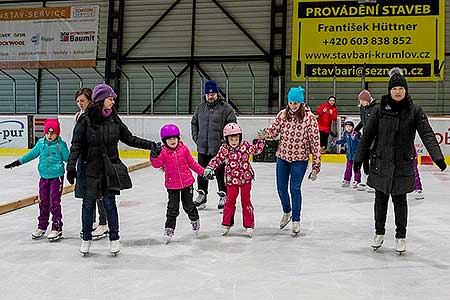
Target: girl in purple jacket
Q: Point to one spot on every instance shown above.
(177, 162)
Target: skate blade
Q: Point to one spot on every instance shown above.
(282, 227)
(295, 234)
(201, 206)
(99, 237)
(55, 239)
(115, 253)
(376, 248)
(84, 253)
(37, 237)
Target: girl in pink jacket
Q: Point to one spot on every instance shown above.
(235, 154)
(177, 162)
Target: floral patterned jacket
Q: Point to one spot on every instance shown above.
(238, 170)
(298, 138)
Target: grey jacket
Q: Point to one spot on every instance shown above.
(207, 125)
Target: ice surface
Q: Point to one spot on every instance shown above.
(331, 259)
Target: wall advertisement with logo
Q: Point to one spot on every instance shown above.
(49, 37)
(350, 39)
(441, 127)
(13, 132)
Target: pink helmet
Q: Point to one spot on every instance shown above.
(169, 130)
(231, 129)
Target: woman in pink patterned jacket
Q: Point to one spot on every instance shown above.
(299, 137)
(176, 160)
(235, 154)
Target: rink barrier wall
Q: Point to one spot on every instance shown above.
(27, 201)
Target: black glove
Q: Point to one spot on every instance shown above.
(156, 150)
(440, 163)
(17, 163)
(357, 166)
(71, 175)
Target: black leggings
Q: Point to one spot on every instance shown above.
(400, 212)
(324, 139)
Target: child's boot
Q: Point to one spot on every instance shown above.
(85, 247)
(54, 235)
(345, 183)
(100, 232)
(168, 234)
(295, 228)
(250, 231)
(200, 201)
(225, 229)
(114, 247)
(195, 226)
(222, 199)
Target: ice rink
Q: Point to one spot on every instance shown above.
(331, 259)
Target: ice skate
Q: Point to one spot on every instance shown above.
(168, 234)
(370, 190)
(345, 183)
(418, 195)
(285, 219)
(225, 229)
(37, 234)
(54, 235)
(195, 227)
(114, 247)
(361, 187)
(250, 231)
(200, 201)
(85, 247)
(400, 246)
(222, 199)
(378, 240)
(355, 184)
(295, 228)
(100, 232)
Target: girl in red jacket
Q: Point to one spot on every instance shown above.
(235, 154)
(327, 113)
(177, 162)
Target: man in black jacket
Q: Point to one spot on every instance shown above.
(389, 140)
(208, 121)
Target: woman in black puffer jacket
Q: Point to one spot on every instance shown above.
(392, 128)
(100, 173)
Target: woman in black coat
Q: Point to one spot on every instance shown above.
(100, 172)
(389, 140)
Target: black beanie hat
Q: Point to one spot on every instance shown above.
(397, 79)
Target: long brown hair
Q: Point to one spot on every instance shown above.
(87, 92)
(299, 114)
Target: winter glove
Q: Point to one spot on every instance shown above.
(261, 134)
(333, 143)
(209, 173)
(71, 175)
(312, 176)
(357, 166)
(156, 150)
(354, 135)
(440, 163)
(15, 163)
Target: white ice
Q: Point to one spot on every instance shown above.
(331, 259)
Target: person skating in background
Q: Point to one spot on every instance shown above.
(52, 152)
(327, 113)
(389, 140)
(299, 136)
(175, 158)
(235, 155)
(208, 121)
(83, 97)
(102, 174)
(366, 103)
(351, 140)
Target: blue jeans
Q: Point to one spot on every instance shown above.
(296, 171)
(87, 211)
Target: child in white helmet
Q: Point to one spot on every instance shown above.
(235, 154)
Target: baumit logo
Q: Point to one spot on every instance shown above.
(78, 36)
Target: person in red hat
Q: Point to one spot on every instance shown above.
(52, 152)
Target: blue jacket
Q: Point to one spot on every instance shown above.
(352, 141)
(52, 156)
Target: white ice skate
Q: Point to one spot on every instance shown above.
(54, 235)
(200, 201)
(370, 190)
(361, 187)
(355, 184)
(100, 232)
(418, 195)
(195, 227)
(285, 219)
(222, 199)
(37, 234)
(378, 240)
(225, 229)
(250, 231)
(114, 247)
(400, 246)
(295, 228)
(168, 234)
(345, 183)
(85, 247)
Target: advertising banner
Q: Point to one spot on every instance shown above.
(13, 132)
(49, 37)
(354, 39)
(441, 127)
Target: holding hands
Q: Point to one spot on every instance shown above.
(156, 150)
(261, 134)
(208, 173)
(71, 175)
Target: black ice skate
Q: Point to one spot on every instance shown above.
(200, 201)
(222, 199)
